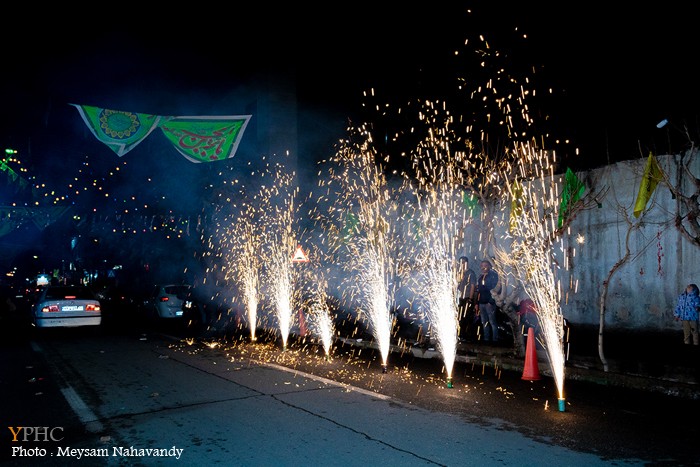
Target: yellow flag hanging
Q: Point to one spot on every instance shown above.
(652, 176)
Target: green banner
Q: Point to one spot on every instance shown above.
(205, 139)
(120, 131)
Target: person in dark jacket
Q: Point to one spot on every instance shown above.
(488, 281)
(466, 291)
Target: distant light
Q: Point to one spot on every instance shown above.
(662, 123)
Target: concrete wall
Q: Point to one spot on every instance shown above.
(643, 291)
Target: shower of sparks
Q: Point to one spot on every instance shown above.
(243, 237)
(321, 320)
(532, 224)
(371, 241)
(448, 164)
(368, 240)
(439, 302)
(281, 241)
(443, 219)
(235, 245)
(376, 298)
(281, 286)
(280, 279)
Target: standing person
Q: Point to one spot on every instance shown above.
(465, 299)
(687, 312)
(487, 282)
(529, 321)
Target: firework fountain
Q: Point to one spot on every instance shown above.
(533, 229)
(242, 234)
(320, 316)
(243, 238)
(322, 324)
(369, 245)
(443, 218)
(280, 244)
(373, 276)
(237, 241)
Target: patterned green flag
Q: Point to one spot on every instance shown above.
(205, 139)
(120, 131)
(572, 192)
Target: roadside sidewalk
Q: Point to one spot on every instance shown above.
(673, 371)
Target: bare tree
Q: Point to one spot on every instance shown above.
(604, 293)
(687, 216)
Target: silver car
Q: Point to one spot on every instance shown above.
(170, 300)
(66, 306)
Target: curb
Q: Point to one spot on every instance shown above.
(504, 358)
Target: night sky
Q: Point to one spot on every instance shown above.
(615, 74)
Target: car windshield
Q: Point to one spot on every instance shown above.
(70, 292)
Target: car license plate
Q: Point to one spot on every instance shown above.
(72, 308)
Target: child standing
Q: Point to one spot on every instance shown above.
(687, 312)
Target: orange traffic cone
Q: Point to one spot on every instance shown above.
(531, 371)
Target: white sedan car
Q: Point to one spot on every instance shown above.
(66, 306)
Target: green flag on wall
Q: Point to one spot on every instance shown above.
(572, 192)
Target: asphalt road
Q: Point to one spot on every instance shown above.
(130, 385)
